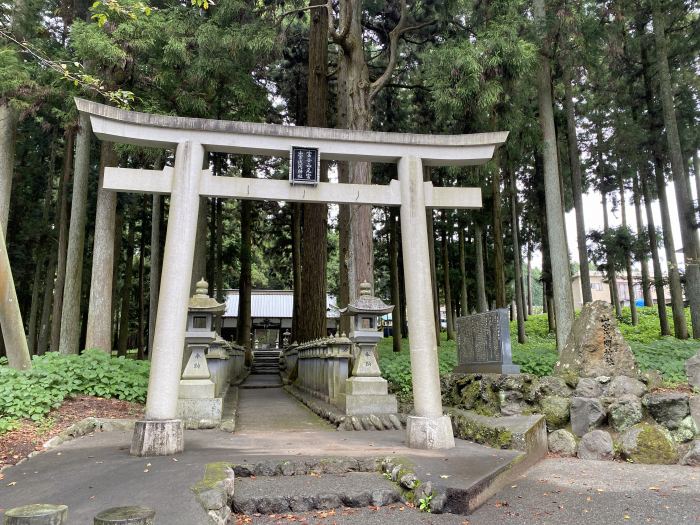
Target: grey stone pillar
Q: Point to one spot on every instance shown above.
(171, 319)
(38, 514)
(429, 428)
(126, 516)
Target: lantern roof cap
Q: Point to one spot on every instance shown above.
(366, 303)
(201, 301)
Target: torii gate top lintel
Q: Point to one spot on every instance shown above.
(147, 129)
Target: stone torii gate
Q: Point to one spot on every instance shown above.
(161, 433)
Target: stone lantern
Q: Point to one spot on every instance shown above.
(201, 315)
(366, 392)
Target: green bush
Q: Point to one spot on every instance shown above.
(33, 393)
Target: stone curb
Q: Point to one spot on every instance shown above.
(343, 421)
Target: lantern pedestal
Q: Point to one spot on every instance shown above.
(197, 405)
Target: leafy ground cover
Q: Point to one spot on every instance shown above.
(34, 393)
(538, 356)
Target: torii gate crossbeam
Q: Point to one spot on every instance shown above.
(161, 433)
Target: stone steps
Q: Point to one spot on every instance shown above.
(266, 362)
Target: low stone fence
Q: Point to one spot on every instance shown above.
(289, 361)
(322, 367)
(226, 362)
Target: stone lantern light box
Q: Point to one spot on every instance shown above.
(366, 392)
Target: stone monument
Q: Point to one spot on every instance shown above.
(595, 346)
(483, 344)
(366, 392)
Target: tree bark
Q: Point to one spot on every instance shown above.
(199, 264)
(62, 215)
(34, 308)
(628, 259)
(481, 304)
(529, 281)
(118, 239)
(44, 324)
(517, 263)
(10, 317)
(561, 280)
(446, 279)
(654, 245)
(464, 296)
(8, 129)
(396, 317)
(70, 314)
(433, 265)
(612, 274)
(636, 197)
(314, 243)
(498, 257)
(577, 188)
(297, 220)
(124, 316)
(245, 322)
(682, 186)
(99, 323)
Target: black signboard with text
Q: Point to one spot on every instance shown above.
(304, 165)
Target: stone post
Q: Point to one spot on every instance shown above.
(126, 516)
(166, 435)
(429, 428)
(37, 514)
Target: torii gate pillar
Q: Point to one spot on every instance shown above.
(429, 428)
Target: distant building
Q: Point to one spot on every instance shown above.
(600, 289)
(271, 312)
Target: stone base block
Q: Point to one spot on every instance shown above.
(430, 432)
(158, 438)
(197, 389)
(364, 404)
(487, 368)
(126, 516)
(204, 410)
(37, 514)
(367, 385)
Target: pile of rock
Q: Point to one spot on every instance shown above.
(599, 405)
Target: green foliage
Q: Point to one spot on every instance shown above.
(33, 393)
(667, 355)
(424, 503)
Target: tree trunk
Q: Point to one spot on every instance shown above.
(529, 281)
(636, 197)
(464, 296)
(577, 189)
(481, 304)
(343, 250)
(219, 251)
(8, 129)
(44, 324)
(70, 314)
(654, 244)
(34, 308)
(10, 317)
(296, 269)
(446, 279)
(696, 172)
(140, 341)
(62, 215)
(561, 279)
(612, 274)
(628, 259)
(314, 243)
(684, 204)
(124, 316)
(99, 323)
(245, 286)
(118, 239)
(680, 328)
(154, 276)
(394, 277)
(498, 257)
(517, 263)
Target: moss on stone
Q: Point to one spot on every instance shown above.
(653, 447)
(471, 430)
(213, 474)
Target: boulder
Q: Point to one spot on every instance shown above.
(692, 370)
(550, 386)
(556, 411)
(595, 346)
(625, 412)
(648, 444)
(596, 444)
(692, 457)
(588, 387)
(667, 408)
(623, 385)
(562, 442)
(686, 431)
(586, 413)
(694, 404)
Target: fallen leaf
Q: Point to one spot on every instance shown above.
(174, 459)
(444, 476)
(12, 484)
(145, 470)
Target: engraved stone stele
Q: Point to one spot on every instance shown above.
(483, 344)
(366, 392)
(595, 346)
(37, 514)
